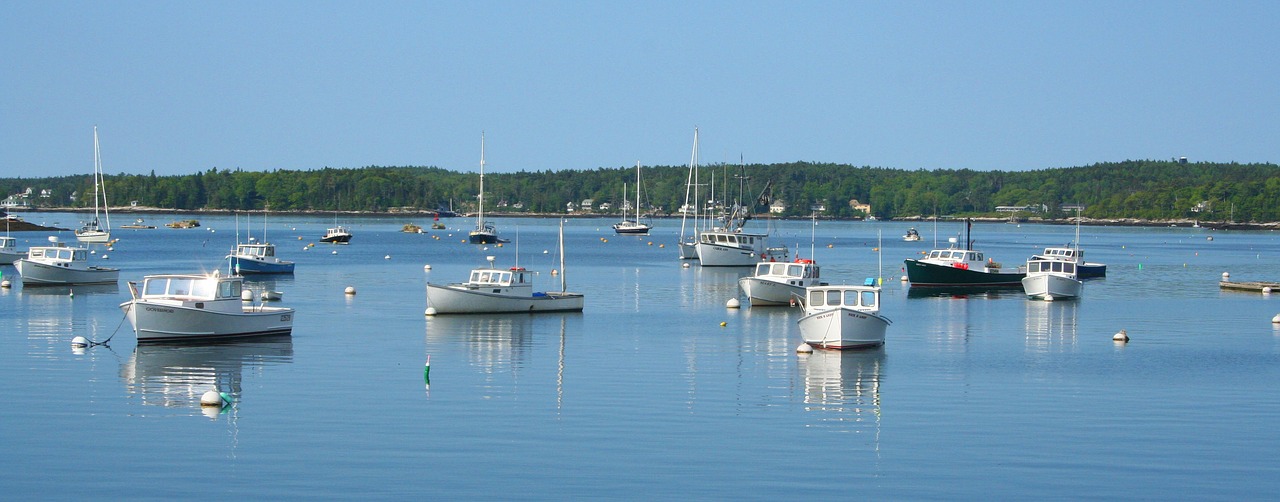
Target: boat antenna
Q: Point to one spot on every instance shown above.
(879, 257)
(1077, 229)
(517, 246)
(813, 234)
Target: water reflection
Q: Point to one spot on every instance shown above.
(964, 292)
(492, 341)
(707, 286)
(843, 388)
(1051, 326)
(69, 291)
(177, 374)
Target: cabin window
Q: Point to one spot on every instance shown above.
(1069, 268)
(1057, 266)
(484, 277)
(1033, 267)
(504, 277)
(155, 287)
(794, 270)
(815, 299)
(202, 289)
(227, 289)
(868, 299)
(762, 268)
(722, 238)
(833, 297)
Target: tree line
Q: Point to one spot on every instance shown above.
(1148, 189)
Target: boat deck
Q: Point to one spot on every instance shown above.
(1255, 286)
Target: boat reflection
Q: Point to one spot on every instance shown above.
(705, 286)
(175, 375)
(964, 292)
(843, 388)
(82, 289)
(1051, 326)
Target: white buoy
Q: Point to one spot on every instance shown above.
(110, 248)
(79, 341)
(387, 257)
(431, 311)
(211, 398)
(804, 348)
(351, 290)
(1266, 290)
(544, 251)
(1121, 336)
(426, 268)
(1226, 276)
(904, 278)
(334, 252)
(105, 257)
(684, 265)
(555, 272)
(1276, 319)
(6, 284)
(1048, 298)
(246, 295)
(733, 303)
(1210, 237)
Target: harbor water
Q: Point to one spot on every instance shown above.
(655, 390)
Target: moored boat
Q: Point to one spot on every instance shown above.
(337, 235)
(58, 265)
(1051, 279)
(97, 231)
(258, 258)
(632, 227)
(777, 283)
(912, 235)
(491, 290)
(174, 307)
(9, 250)
(842, 317)
(960, 267)
(485, 232)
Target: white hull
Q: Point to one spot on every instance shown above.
(161, 322)
(1045, 286)
(7, 257)
(718, 255)
(457, 300)
(93, 236)
(843, 328)
(767, 292)
(34, 273)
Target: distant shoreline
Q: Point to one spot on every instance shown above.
(1116, 222)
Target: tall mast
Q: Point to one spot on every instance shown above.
(480, 214)
(563, 286)
(637, 192)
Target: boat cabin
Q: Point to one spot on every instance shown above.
(854, 297)
(500, 281)
(60, 253)
(799, 269)
(955, 255)
(1056, 267)
(9, 243)
(1067, 254)
(197, 287)
(256, 250)
(729, 239)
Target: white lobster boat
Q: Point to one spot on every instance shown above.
(491, 290)
(59, 265)
(199, 307)
(776, 283)
(843, 317)
(1051, 279)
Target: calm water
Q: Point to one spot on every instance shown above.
(644, 394)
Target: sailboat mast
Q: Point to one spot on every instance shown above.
(637, 191)
(480, 213)
(563, 285)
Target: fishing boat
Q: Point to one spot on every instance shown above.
(174, 307)
(1072, 253)
(9, 251)
(959, 266)
(492, 290)
(777, 283)
(485, 232)
(727, 245)
(336, 235)
(912, 235)
(257, 257)
(97, 231)
(59, 265)
(842, 317)
(632, 227)
(1051, 279)
(688, 243)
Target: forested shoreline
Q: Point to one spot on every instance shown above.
(1138, 189)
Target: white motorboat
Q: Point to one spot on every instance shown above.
(197, 307)
(336, 235)
(59, 265)
(9, 251)
(492, 290)
(1074, 254)
(912, 235)
(97, 231)
(1050, 280)
(842, 317)
(777, 283)
(258, 258)
(632, 227)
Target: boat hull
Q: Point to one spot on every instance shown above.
(93, 236)
(336, 239)
(1045, 286)
(243, 265)
(8, 257)
(1088, 270)
(843, 328)
(457, 300)
(631, 229)
(929, 274)
(688, 251)
(483, 238)
(764, 292)
(163, 322)
(37, 274)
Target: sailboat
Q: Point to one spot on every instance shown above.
(689, 243)
(485, 233)
(97, 231)
(632, 227)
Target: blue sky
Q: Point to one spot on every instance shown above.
(180, 87)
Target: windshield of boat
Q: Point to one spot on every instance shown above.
(196, 287)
